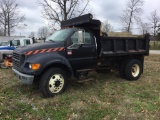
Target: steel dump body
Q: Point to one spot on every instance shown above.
(113, 46)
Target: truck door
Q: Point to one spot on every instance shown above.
(81, 50)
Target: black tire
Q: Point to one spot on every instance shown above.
(133, 69)
(53, 82)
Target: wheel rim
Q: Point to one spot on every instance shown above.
(135, 70)
(56, 83)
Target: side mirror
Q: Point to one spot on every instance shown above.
(80, 37)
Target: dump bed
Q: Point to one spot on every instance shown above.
(113, 46)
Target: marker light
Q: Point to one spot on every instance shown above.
(34, 66)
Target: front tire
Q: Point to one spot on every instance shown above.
(53, 82)
(133, 69)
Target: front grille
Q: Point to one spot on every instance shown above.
(16, 56)
(18, 60)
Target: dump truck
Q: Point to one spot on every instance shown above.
(77, 48)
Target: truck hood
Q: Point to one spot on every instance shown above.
(7, 48)
(38, 47)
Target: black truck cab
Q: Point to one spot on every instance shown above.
(75, 49)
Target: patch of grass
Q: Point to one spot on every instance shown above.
(107, 97)
(154, 47)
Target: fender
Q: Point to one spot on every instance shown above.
(46, 60)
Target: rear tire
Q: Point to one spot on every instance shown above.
(133, 69)
(53, 82)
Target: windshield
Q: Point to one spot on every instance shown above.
(59, 36)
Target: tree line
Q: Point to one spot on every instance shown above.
(60, 10)
(132, 15)
(10, 16)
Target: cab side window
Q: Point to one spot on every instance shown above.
(16, 42)
(26, 42)
(88, 39)
(74, 38)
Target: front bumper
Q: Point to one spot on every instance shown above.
(24, 78)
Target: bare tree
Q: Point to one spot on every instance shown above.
(1, 31)
(144, 27)
(32, 34)
(106, 27)
(154, 22)
(59, 10)
(9, 15)
(43, 32)
(158, 36)
(131, 13)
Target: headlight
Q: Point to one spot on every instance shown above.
(35, 66)
(30, 66)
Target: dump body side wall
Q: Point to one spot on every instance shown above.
(115, 46)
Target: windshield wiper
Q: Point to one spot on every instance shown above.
(51, 40)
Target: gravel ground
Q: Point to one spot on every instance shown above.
(154, 52)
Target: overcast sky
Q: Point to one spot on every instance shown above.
(102, 9)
